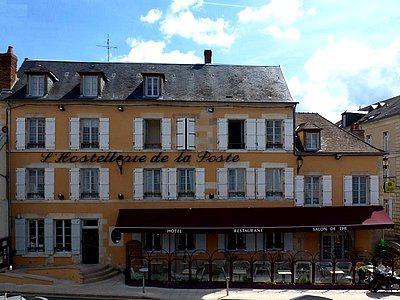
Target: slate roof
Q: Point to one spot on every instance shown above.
(333, 138)
(381, 110)
(185, 82)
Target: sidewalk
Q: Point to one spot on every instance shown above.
(115, 288)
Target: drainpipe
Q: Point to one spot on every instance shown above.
(8, 171)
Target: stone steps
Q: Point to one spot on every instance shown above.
(97, 273)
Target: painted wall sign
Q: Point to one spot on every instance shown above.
(329, 228)
(161, 157)
(247, 230)
(174, 230)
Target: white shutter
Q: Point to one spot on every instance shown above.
(251, 183)
(261, 134)
(180, 134)
(48, 236)
(288, 127)
(251, 242)
(327, 190)
(251, 137)
(20, 178)
(201, 243)
(288, 241)
(172, 186)
(200, 183)
(374, 189)
(222, 184)
(299, 193)
(166, 133)
(260, 175)
(104, 128)
(20, 134)
(164, 183)
(138, 133)
(260, 241)
(104, 188)
(222, 134)
(76, 236)
(191, 133)
(49, 183)
(20, 236)
(288, 183)
(138, 184)
(348, 189)
(74, 183)
(50, 129)
(74, 133)
(221, 241)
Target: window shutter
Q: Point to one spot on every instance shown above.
(288, 183)
(200, 183)
(390, 208)
(138, 133)
(20, 134)
(288, 123)
(172, 243)
(374, 189)
(327, 190)
(76, 236)
(260, 175)
(251, 137)
(299, 182)
(104, 188)
(222, 183)
(261, 134)
(172, 185)
(201, 243)
(104, 128)
(50, 129)
(49, 183)
(20, 236)
(180, 134)
(191, 133)
(221, 241)
(348, 189)
(288, 241)
(251, 242)
(166, 133)
(74, 133)
(164, 183)
(48, 236)
(74, 183)
(260, 241)
(20, 178)
(222, 134)
(251, 183)
(138, 184)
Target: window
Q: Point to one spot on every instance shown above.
(236, 241)
(152, 183)
(36, 85)
(274, 183)
(236, 179)
(152, 134)
(89, 179)
(36, 133)
(386, 175)
(312, 190)
(335, 245)
(312, 141)
(186, 183)
(35, 235)
(185, 241)
(152, 241)
(386, 141)
(35, 184)
(236, 134)
(152, 86)
(89, 133)
(359, 189)
(274, 134)
(63, 235)
(90, 88)
(368, 139)
(387, 204)
(274, 240)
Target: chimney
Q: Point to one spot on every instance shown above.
(356, 129)
(207, 56)
(8, 69)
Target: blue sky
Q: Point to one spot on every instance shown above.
(336, 55)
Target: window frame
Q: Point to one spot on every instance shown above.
(153, 86)
(39, 82)
(314, 180)
(345, 245)
(33, 128)
(358, 202)
(189, 188)
(239, 241)
(309, 141)
(92, 190)
(277, 143)
(153, 247)
(94, 138)
(189, 238)
(36, 193)
(93, 82)
(66, 239)
(242, 144)
(275, 194)
(146, 134)
(235, 193)
(153, 193)
(39, 240)
(275, 243)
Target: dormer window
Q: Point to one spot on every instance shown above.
(36, 85)
(152, 86)
(39, 81)
(312, 141)
(90, 86)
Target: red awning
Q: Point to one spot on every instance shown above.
(334, 218)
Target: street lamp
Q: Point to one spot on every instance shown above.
(120, 162)
(299, 162)
(143, 270)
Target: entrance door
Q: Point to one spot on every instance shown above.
(90, 245)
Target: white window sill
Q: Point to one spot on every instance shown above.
(62, 254)
(35, 254)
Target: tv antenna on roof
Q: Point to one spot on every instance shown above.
(108, 46)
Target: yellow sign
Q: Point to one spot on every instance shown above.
(390, 187)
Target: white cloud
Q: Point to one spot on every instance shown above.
(278, 33)
(345, 74)
(152, 16)
(155, 51)
(179, 5)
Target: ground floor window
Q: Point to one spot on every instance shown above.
(236, 241)
(274, 240)
(63, 235)
(36, 235)
(152, 242)
(185, 241)
(335, 245)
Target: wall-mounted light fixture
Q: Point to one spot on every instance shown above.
(120, 108)
(299, 162)
(211, 196)
(116, 236)
(61, 107)
(60, 196)
(120, 162)
(210, 109)
(338, 155)
(120, 196)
